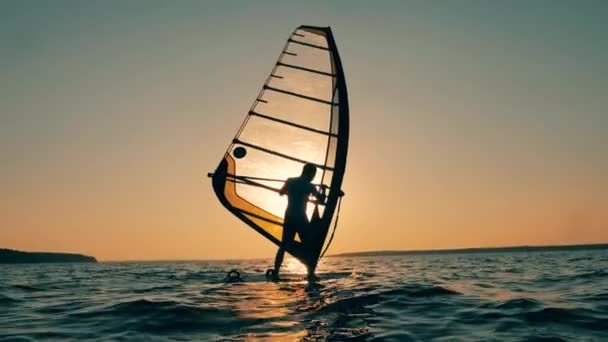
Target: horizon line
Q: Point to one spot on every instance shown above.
(513, 248)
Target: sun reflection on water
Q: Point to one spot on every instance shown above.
(294, 266)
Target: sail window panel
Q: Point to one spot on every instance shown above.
(327, 178)
(239, 203)
(272, 203)
(321, 209)
(335, 112)
(310, 38)
(268, 201)
(285, 139)
(263, 165)
(335, 119)
(317, 180)
(294, 109)
(308, 57)
(303, 83)
(331, 152)
(260, 164)
(310, 209)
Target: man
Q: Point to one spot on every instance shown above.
(298, 190)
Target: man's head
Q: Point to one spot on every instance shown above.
(309, 171)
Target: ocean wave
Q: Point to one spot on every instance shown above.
(530, 315)
(591, 275)
(351, 304)
(197, 275)
(4, 299)
(582, 318)
(145, 315)
(519, 303)
(423, 291)
(60, 308)
(545, 338)
(362, 299)
(28, 288)
(154, 289)
(575, 259)
(599, 297)
(16, 339)
(145, 306)
(562, 278)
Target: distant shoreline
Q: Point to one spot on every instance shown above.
(511, 249)
(11, 256)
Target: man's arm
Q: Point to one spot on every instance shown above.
(324, 187)
(283, 190)
(318, 195)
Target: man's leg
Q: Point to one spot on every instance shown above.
(278, 260)
(286, 238)
(311, 274)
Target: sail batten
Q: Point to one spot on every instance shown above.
(311, 129)
(306, 69)
(299, 116)
(246, 181)
(308, 44)
(299, 95)
(278, 154)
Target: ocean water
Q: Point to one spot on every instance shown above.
(541, 296)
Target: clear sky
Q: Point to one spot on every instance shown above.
(473, 123)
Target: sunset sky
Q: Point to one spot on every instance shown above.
(473, 123)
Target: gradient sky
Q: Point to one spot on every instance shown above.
(473, 123)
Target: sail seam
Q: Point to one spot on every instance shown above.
(299, 95)
(278, 154)
(292, 124)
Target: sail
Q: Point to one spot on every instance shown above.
(300, 116)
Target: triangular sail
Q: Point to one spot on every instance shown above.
(300, 116)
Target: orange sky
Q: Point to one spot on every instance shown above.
(484, 128)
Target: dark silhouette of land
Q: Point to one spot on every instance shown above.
(480, 250)
(10, 256)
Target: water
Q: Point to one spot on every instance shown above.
(546, 296)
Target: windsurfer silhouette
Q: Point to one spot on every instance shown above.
(298, 190)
